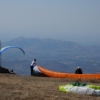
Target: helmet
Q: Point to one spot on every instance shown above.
(78, 67)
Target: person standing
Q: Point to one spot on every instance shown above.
(33, 64)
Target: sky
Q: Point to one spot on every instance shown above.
(67, 20)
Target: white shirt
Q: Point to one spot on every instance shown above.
(33, 63)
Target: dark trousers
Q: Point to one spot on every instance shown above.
(31, 70)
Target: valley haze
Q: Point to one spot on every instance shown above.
(51, 54)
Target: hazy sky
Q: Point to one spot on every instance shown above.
(74, 20)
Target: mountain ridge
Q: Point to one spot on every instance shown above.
(51, 54)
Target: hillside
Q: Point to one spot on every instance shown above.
(13, 87)
(56, 55)
(5, 70)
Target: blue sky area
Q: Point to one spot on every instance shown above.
(69, 20)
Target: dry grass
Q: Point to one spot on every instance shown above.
(13, 87)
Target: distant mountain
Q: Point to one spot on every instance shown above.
(51, 54)
(42, 44)
(48, 44)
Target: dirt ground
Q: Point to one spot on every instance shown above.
(14, 87)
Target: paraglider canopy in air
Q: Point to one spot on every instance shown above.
(7, 47)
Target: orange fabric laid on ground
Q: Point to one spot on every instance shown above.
(68, 75)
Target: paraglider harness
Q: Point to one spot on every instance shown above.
(78, 71)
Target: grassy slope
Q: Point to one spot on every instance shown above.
(13, 87)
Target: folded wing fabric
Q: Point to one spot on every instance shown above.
(79, 89)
